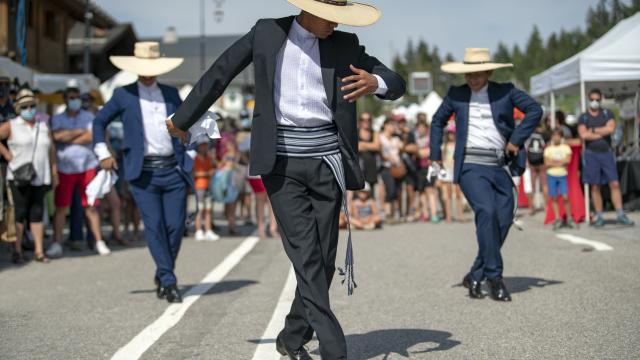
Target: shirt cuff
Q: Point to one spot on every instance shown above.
(382, 86)
(102, 151)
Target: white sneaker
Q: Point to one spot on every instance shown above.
(55, 250)
(211, 236)
(200, 235)
(102, 249)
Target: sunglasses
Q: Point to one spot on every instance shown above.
(594, 99)
(32, 106)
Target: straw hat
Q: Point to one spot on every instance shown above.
(475, 60)
(146, 60)
(25, 97)
(340, 11)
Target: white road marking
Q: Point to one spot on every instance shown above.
(172, 315)
(597, 245)
(266, 349)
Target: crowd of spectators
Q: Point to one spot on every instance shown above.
(47, 163)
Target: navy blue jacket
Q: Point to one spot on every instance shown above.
(504, 98)
(125, 103)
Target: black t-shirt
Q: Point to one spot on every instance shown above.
(600, 145)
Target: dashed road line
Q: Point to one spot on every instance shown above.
(174, 313)
(596, 245)
(266, 349)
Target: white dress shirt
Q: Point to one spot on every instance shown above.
(154, 116)
(157, 140)
(483, 133)
(299, 93)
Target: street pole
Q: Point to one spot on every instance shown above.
(87, 38)
(202, 37)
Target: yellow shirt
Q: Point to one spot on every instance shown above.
(557, 152)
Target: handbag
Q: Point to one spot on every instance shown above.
(398, 171)
(24, 174)
(8, 231)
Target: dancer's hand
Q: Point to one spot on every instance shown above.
(362, 83)
(175, 132)
(108, 164)
(512, 150)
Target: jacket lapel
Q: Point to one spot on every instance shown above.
(328, 64)
(278, 37)
(135, 103)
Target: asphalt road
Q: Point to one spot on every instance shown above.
(569, 300)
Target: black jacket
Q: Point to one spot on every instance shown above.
(261, 46)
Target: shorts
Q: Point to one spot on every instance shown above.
(557, 185)
(422, 180)
(204, 199)
(599, 168)
(257, 185)
(69, 183)
(28, 202)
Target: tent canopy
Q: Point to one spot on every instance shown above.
(12, 70)
(611, 63)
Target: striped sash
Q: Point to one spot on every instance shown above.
(321, 143)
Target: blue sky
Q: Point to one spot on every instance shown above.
(451, 25)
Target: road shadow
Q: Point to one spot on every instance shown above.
(404, 342)
(518, 284)
(218, 288)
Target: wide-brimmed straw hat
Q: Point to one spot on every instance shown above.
(340, 11)
(24, 98)
(475, 60)
(146, 60)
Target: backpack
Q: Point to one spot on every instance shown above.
(222, 188)
(535, 149)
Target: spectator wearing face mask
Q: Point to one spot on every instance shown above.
(30, 143)
(72, 133)
(595, 128)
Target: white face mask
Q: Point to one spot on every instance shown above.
(594, 104)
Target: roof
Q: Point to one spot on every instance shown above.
(612, 62)
(99, 45)
(189, 49)
(76, 8)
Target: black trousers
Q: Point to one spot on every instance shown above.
(306, 201)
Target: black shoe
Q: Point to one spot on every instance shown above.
(475, 287)
(171, 293)
(498, 290)
(300, 354)
(159, 291)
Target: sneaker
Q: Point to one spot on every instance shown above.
(200, 235)
(557, 224)
(102, 249)
(55, 250)
(435, 219)
(570, 224)
(624, 220)
(211, 236)
(599, 222)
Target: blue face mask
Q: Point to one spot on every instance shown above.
(74, 104)
(28, 114)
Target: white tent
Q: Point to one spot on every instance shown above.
(12, 70)
(611, 63)
(431, 104)
(51, 83)
(120, 79)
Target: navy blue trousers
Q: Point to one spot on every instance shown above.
(489, 190)
(161, 196)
